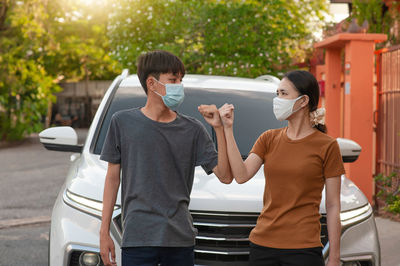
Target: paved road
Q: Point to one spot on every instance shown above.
(389, 236)
(30, 179)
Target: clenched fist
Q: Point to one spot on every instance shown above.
(226, 113)
(210, 114)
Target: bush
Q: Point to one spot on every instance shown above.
(386, 192)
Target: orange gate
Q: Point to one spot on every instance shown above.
(388, 113)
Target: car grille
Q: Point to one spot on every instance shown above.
(223, 238)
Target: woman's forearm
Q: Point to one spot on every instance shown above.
(238, 167)
(334, 231)
(332, 203)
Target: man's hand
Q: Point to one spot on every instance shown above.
(107, 247)
(226, 113)
(211, 115)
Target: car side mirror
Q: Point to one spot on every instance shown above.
(349, 149)
(60, 139)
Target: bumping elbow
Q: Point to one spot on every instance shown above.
(240, 180)
(226, 180)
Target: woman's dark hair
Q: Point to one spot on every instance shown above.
(158, 62)
(306, 84)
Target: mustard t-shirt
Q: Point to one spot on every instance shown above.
(295, 172)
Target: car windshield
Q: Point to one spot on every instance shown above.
(253, 111)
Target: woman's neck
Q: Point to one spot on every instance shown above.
(299, 125)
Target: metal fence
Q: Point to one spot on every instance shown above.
(388, 113)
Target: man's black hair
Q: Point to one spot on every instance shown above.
(158, 62)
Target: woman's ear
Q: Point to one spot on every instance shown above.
(305, 101)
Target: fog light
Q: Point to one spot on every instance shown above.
(89, 259)
(351, 263)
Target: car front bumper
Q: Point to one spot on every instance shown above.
(75, 229)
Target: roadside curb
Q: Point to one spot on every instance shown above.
(32, 138)
(24, 222)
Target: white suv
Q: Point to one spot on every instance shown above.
(223, 214)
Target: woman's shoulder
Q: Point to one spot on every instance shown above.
(324, 141)
(324, 137)
(273, 132)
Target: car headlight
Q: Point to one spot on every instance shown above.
(90, 259)
(356, 215)
(84, 204)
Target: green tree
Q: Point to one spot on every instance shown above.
(380, 19)
(41, 43)
(25, 87)
(241, 38)
(79, 46)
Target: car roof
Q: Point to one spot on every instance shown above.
(215, 82)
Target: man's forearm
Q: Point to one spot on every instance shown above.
(111, 186)
(223, 169)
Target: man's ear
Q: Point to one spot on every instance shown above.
(150, 82)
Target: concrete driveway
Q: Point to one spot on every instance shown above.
(30, 179)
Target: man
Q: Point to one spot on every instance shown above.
(157, 150)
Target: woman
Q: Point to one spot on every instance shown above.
(298, 160)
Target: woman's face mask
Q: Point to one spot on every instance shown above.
(174, 95)
(283, 108)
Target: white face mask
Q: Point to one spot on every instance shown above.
(283, 108)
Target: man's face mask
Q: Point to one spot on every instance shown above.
(174, 95)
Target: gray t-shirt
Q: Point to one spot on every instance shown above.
(157, 162)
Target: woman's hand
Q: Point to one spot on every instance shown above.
(226, 113)
(333, 263)
(210, 114)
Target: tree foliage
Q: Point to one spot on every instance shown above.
(25, 87)
(79, 47)
(41, 43)
(241, 38)
(379, 17)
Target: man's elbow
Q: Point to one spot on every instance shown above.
(224, 177)
(226, 180)
(240, 180)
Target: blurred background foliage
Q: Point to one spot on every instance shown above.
(241, 38)
(380, 18)
(43, 42)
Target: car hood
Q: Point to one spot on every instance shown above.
(208, 193)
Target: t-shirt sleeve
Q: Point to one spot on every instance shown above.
(111, 151)
(206, 155)
(260, 146)
(333, 163)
